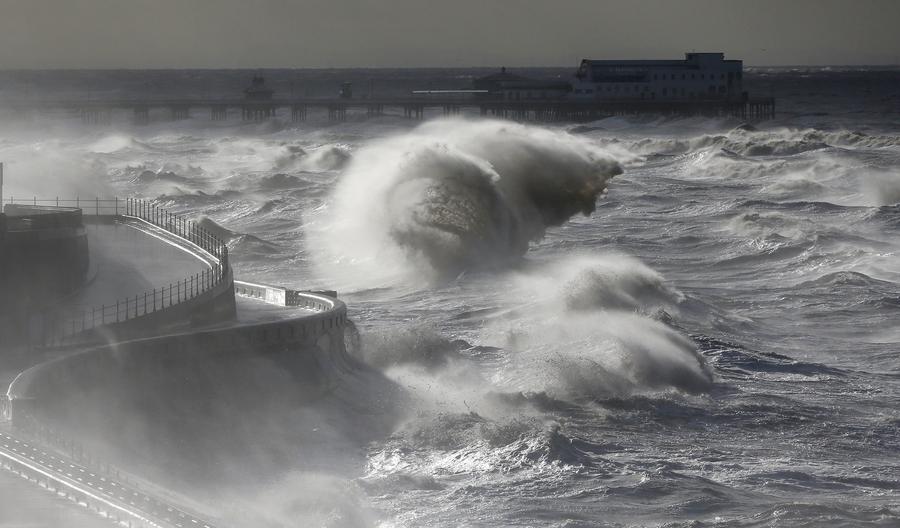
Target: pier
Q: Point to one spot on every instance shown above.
(99, 112)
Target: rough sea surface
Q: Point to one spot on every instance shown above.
(629, 322)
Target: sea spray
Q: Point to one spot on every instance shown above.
(592, 328)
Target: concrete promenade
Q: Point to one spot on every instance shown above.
(103, 492)
(127, 259)
(150, 339)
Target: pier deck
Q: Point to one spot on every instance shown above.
(143, 111)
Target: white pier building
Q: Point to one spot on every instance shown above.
(700, 76)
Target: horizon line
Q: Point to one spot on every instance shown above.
(263, 68)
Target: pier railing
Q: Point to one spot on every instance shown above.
(58, 328)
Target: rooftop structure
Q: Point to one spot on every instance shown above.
(512, 87)
(258, 91)
(700, 76)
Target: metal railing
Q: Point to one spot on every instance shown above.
(148, 302)
(89, 207)
(178, 226)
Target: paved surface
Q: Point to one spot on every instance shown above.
(126, 261)
(123, 498)
(24, 505)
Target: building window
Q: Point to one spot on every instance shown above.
(683, 76)
(665, 91)
(693, 76)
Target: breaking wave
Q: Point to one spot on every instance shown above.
(595, 330)
(454, 195)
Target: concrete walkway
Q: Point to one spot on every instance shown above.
(128, 259)
(120, 500)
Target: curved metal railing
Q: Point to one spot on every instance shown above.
(59, 328)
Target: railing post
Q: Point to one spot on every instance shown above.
(102, 314)
(170, 294)
(145, 303)
(154, 299)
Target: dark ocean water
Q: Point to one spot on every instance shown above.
(716, 343)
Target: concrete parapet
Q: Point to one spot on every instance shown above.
(43, 256)
(280, 296)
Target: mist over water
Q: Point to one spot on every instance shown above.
(630, 322)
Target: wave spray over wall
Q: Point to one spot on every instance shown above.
(453, 195)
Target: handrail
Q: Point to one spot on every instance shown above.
(158, 299)
(89, 206)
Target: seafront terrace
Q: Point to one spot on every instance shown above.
(158, 307)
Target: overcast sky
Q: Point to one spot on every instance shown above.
(376, 33)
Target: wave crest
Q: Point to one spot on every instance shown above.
(454, 195)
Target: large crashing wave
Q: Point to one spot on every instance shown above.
(456, 194)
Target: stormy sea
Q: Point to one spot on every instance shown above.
(634, 321)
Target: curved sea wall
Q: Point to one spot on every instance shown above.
(191, 397)
(218, 398)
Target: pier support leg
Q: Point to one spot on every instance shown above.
(298, 113)
(218, 113)
(141, 115)
(180, 112)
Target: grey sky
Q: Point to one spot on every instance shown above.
(373, 33)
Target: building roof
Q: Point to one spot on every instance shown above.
(690, 59)
(501, 76)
